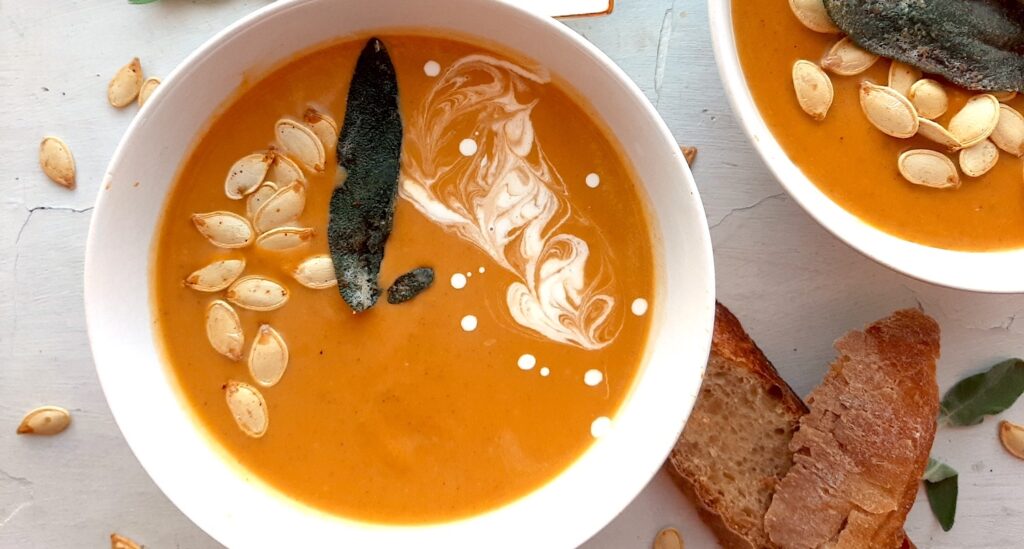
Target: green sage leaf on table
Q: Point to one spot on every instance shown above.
(942, 485)
(141, 1)
(980, 395)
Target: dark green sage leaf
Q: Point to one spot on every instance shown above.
(942, 485)
(980, 395)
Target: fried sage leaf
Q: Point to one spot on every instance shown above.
(410, 285)
(362, 209)
(942, 485)
(983, 394)
(977, 44)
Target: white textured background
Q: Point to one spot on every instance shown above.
(794, 286)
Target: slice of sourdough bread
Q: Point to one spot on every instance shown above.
(735, 447)
(859, 454)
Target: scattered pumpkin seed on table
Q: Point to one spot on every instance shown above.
(669, 538)
(57, 162)
(117, 541)
(1012, 437)
(148, 87)
(124, 87)
(45, 420)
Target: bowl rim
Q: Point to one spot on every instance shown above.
(702, 269)
(977, 271)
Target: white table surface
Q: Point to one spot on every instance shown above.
(794, 286)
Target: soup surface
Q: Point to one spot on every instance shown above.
(487, 384)
(853, 162)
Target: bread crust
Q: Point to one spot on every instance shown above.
(860, 452)
(733, 347)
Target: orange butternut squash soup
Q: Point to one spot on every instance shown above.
(404, 280)
(937, 198)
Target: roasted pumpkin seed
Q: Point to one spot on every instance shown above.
(45, 420)
(224, 229)
(284, 238)
(929, 129)
(57, 163)
(978, 159)
(1009, 132)
(316, 272)
(323, 126)
(224, 329)
(902, 77)
(888, 110)
(1012, 437)
(929, 98)
(257, 293)
(246, 174)
(117, 541)
(125, 85)
(669, 538)
(284, 170)
(247, 406)
(147, 89)
(284, 206)
(928, 168)
(813, 15)
(813, 89)
(258, 197)
(846, 58)
(216, 276)
(976, 120)
(268, 356)
(301, 144)
(1004, 96)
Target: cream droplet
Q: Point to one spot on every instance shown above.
(527, 362)
(639, 306)
(469, 323)
(458, 281)
(469, 274)
(593, 377)
(467, 147)
(431, 68)
(482, 270)
(593, 180)
(600, 427)
(545, 372)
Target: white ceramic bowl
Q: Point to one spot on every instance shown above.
(237, 509)
(976, 271)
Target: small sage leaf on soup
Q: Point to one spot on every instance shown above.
(983, 394)
(941, 485)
